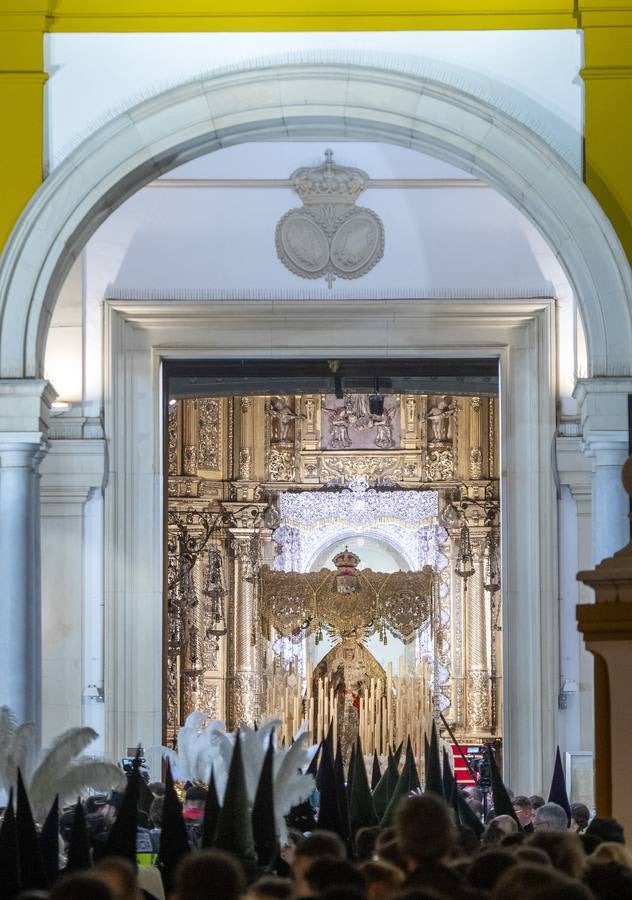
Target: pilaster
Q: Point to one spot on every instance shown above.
(72, 477)
(607, 629)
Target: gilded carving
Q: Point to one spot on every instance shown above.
(476, 462)
(190, 460)
(373, 468)
(172, 449)
(245, 404)
(478, 701)
(440, 417)
(281, 465)
(245, 464)
(440, 465)
(209, 433)
(282, 418)
(491, 438)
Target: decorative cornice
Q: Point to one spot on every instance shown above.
(202, 295)
(428, 184)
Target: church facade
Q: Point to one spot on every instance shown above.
(441, 189)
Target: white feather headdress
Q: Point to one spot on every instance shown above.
(204, 744)
(60, 769)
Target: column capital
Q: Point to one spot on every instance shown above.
(25, 405)
(603, 406)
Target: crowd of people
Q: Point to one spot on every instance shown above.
(389, 839)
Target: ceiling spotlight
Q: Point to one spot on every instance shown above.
(376, 400)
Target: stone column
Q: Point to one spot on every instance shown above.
(246, 689)
(24, 410)
(20, 606)
(478, 674)
(607, 629)
(603, 406)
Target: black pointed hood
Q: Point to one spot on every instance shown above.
(341, 792)
(329, 813)
(448, 777)
(263, 821)
(121, 840)
(351, 772)
(376, 772)
(502, 801)
(361, 807)
(386, 785)
(79, 844)
(234, 826)
(9, 854)
(558, 793)
(211, 813)
(49, 842)
(434, 776)
(173, 834)
(464, 815)
(407, 782)
(32, 872)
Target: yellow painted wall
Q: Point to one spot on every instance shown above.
(608, 123)
(22, 80)
(607, 27)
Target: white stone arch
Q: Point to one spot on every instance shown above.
(302, 100)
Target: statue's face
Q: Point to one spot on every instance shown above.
(348, 654)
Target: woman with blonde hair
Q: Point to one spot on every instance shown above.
(610, 851)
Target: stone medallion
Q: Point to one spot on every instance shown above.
(329, 236)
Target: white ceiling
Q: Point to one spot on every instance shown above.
(184, 240)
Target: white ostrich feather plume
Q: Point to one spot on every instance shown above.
(60, 769)
(204, 744)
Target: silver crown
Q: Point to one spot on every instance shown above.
(328, 183)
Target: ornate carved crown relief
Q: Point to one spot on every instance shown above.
(329, 236)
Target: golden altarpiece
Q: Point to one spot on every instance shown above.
(260, 490)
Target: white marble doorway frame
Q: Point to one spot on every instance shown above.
(521, 334)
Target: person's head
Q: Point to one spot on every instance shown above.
(288, 850)
(331, 872)
(536, 801)
(496, 829)
(424, 830)
(364, 843)
(387, 849)
(486, 869)
(611, 851)
(527, 855)
(157, 788)
(524, 881)
(608, 880)
(381, 879)
(607, 830)
(81, 886)
(473, 793)
(119, 875)
(195, 798)
(550, 817)
(512, 840)
(209, 875)
(316, 846)
(564, 849)
(271, 887)
(523, 809)
(580, 816)
(155, 812)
